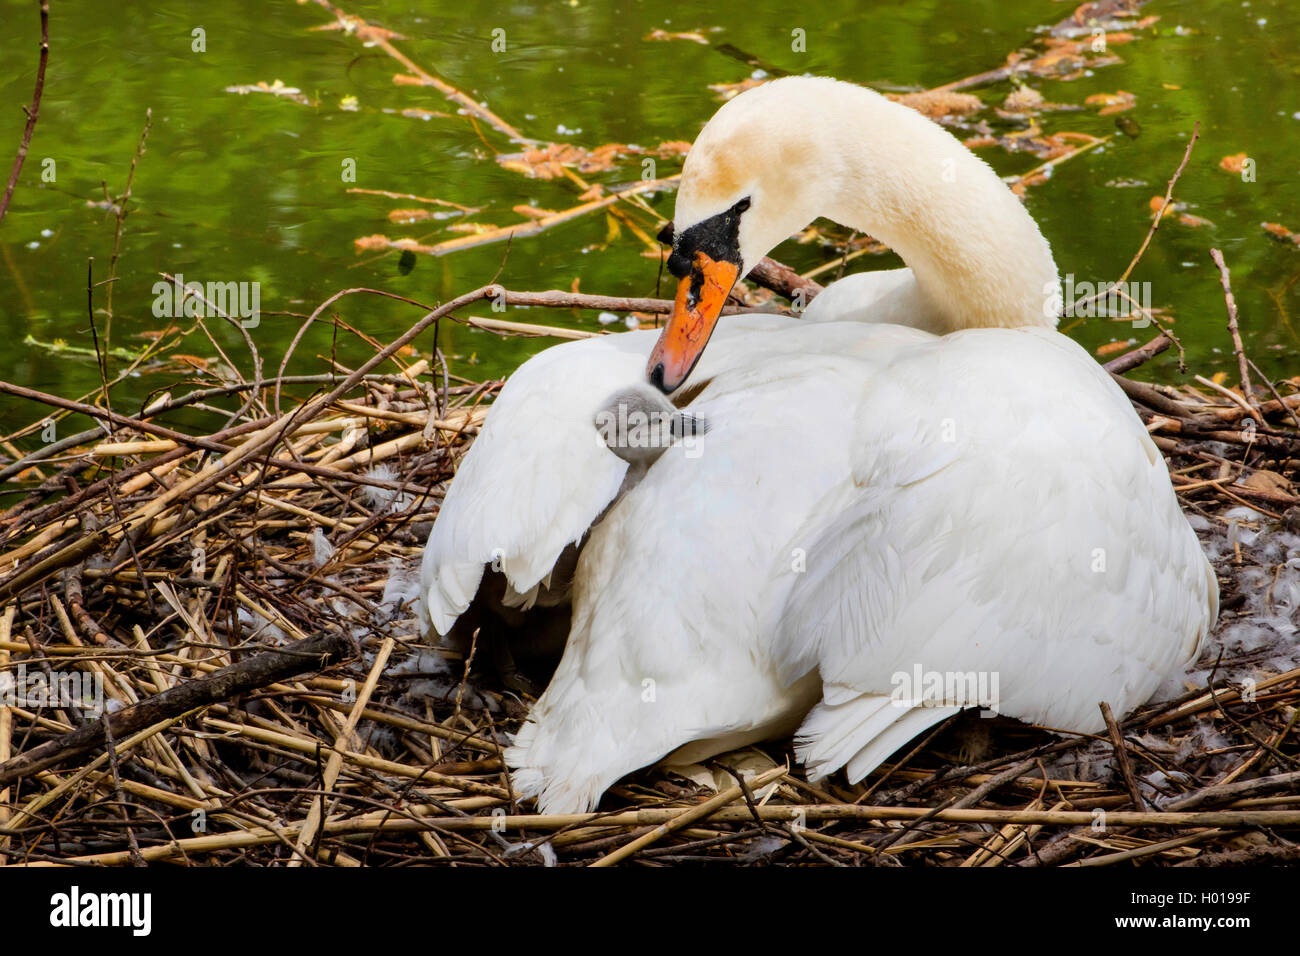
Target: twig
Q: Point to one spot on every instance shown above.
(1237, 348)
(1121, 756)
(32, 112)
(686, 817)
(1160, 213)
(1132, 359)
(120, 215)
(380, 39)
(6, 724)
(341, 743)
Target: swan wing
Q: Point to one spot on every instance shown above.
(673, 583)
(535, 477)
(1009, 532)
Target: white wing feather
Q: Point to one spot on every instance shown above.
(664, 650)
(1007, 517)
(537, 475)
(535, 478)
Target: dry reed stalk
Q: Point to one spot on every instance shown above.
(342, 743)
(690, 816)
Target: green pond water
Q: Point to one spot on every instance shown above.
(249, 188)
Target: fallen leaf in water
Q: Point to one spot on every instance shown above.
(693, 35)
(409, 215)
(939, 103)
(602, 158)
(1022, 99)
(1021, 185)
(1176, 209)
(549, 162)
(1062, 144)
(275, 88)
(1085, 13)
(1116, 102)
(1157, 203)
(1087, 16)
(1234, 163)
(612, 230)
(1281, 232)
(412, 112)
(727, 91)
(1061, 57)
(515, 166)
(671, 147)
(194, 361)
(1110, 348)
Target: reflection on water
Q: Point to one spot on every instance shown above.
(275, 185)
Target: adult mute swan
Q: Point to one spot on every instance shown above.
(884, 522)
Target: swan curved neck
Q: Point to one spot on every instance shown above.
(978, 256)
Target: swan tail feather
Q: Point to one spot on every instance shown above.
(860, 733)
(532, 777)
(565, 758)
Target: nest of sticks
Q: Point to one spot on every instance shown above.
(245, 681)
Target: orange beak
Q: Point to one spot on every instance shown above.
(700, 297)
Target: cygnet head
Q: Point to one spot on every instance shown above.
(638, 424)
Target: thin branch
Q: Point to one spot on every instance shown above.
(32, 112)
(1237, 347)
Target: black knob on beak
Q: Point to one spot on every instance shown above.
(657, 377)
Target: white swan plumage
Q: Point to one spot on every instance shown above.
(921, 476)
